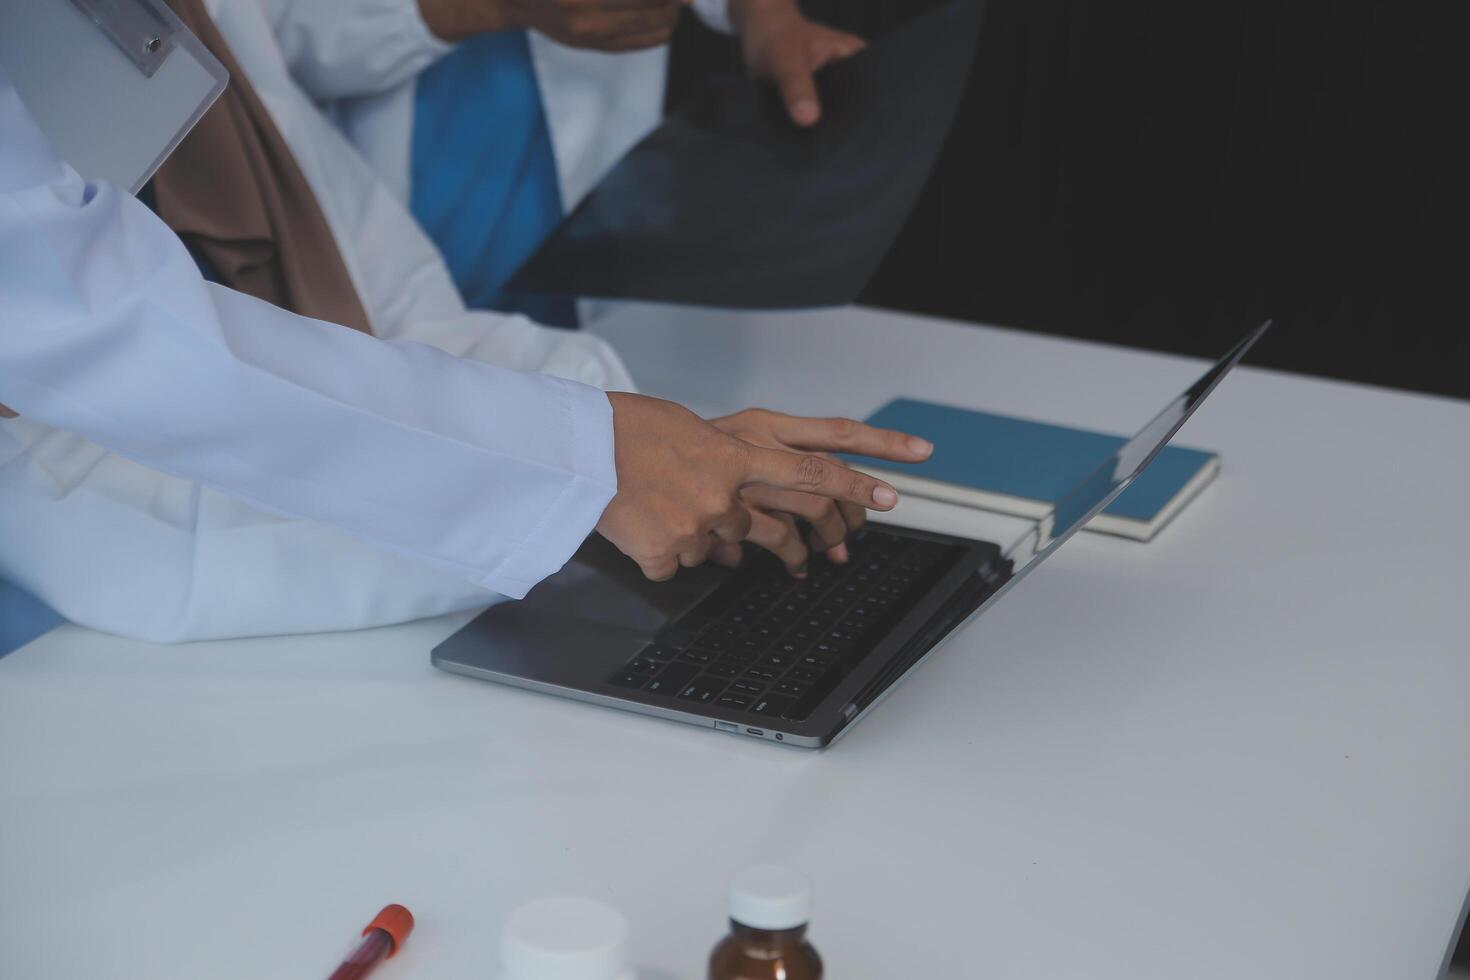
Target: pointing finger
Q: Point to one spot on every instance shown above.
(792, 72)
(813, 474)
(851, 436)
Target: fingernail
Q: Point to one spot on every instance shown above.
(920, 447)
(885, 496)
(805, 112)
(800, 572)
(839, 554)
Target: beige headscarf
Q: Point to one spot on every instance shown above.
(233, 191)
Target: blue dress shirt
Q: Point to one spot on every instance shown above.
(484, 182)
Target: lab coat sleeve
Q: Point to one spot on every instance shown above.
(108, 331)
(338, 49)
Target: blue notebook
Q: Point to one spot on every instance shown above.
(1017, 466)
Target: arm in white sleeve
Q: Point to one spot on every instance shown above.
(108, 331)
(338, 49)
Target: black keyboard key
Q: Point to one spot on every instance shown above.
(641, 666)
(697, 656)
(673, 679)
(776, 661)
(762, 674)
(747, 687)
(629, 679)
(724, 669)
(659, 651)
(773, 705)
(794, 688)
(703, 689)
(804, 673)
(741, 655)
(736, 701)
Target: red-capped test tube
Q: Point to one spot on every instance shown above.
(382, 937)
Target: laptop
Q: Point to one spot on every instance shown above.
(756, 653)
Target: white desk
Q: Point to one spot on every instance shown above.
(1242, 751)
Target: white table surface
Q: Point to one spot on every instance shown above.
(1240, 751)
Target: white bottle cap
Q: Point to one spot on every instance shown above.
(565, 939)
(771, 898)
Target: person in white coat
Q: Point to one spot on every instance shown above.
(492, 119)
(193, 463)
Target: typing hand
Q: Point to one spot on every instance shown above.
(774, 509)
(6, 413)
(604, 25)
(781, 44)
(680, 480)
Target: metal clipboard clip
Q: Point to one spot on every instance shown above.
(115, 84)
(136, 27)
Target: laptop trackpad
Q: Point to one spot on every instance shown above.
(601, 585)
(578, 626)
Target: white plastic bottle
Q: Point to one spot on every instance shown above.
(565, 938)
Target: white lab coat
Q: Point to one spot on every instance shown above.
(359, 58)
(193, 463)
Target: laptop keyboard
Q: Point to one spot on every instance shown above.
(769, 645)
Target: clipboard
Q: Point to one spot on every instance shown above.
(115, 84)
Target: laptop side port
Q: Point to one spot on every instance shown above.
(756, 732)
(727, 726)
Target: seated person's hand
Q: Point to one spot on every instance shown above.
(680, 480)
(774, 509)
(6, 413)
(605, 25)
(781, 44)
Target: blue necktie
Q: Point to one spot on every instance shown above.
(483, 174)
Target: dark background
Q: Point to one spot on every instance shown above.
(1162, 173)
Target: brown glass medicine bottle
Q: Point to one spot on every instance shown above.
(769, 911)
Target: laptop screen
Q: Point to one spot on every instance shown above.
(1102, 487)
